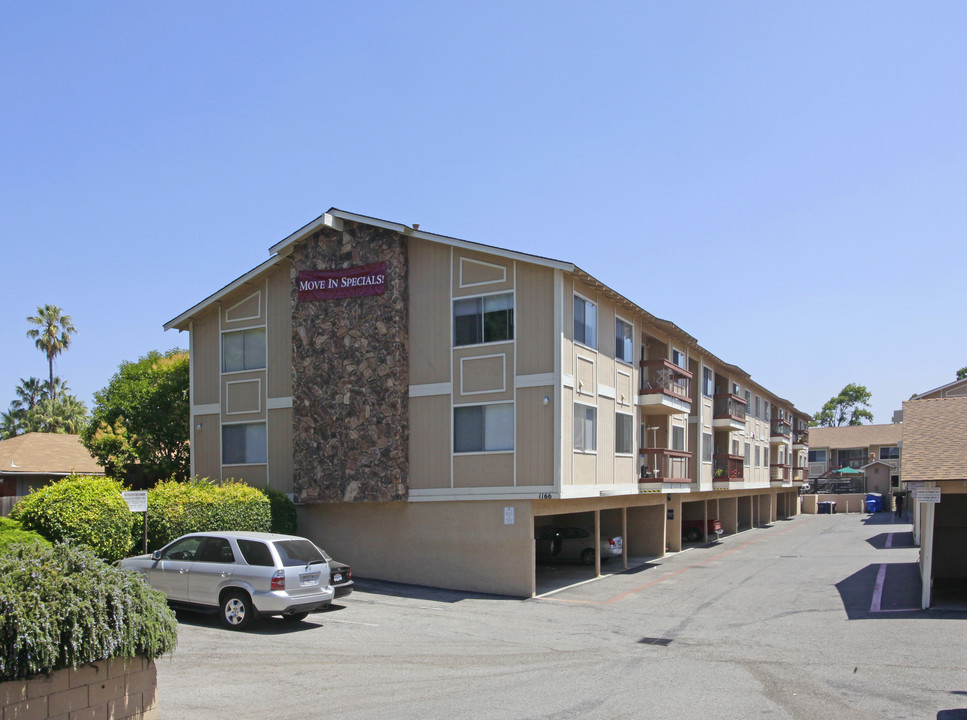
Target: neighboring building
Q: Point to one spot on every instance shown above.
(935, 458)
(957, 388)
(873, 449)
(432, 402)
(32, 460)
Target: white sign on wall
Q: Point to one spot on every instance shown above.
(928, 495)
(509, 515)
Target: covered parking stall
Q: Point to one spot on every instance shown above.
(638, 519)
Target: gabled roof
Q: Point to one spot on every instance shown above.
(855, 436)
(46, 454)
(334, 218)
(935, 439)
(942, 388)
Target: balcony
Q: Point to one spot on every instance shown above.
(800, 474)
(780, 475)
(800, 440)
(727, 470)
(781, 432)
(664, 388)
(728, 412)
(664, 469)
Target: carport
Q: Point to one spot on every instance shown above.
(949, 566)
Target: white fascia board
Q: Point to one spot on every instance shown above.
(325, 220)
(174, 323)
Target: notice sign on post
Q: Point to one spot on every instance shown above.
(137, 500)
(928, 495)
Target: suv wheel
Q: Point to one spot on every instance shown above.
(236, 610)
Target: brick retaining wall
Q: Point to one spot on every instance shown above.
(113, 689)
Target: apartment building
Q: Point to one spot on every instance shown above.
(872, 449)
(431, 403)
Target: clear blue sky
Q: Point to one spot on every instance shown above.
(786, 181)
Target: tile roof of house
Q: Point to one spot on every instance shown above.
(935, 439)
(855, 436)
(46, 454)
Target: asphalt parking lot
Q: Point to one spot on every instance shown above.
(811, 617)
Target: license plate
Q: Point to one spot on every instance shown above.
(308, 579)
(337, 577)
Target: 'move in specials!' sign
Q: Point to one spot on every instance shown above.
(346, 282)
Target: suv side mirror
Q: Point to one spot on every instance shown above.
(156, 555)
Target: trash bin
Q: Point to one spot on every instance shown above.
(822, 508)
(874, 502)
(871, 506)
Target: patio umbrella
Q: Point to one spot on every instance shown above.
(848, 471)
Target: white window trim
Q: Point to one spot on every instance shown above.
(457, 298)
(597, 325)
(628, 415)
(258, 382)
(256, 294)
(464, 259)
(453, 428)
(503, 372)
(221, 349)
(629, 363)
(245, 422)
(596, 413)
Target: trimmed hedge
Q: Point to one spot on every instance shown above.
(12, 532)
(199, 505)
(80, 509)
(61, 607)
(284, 519)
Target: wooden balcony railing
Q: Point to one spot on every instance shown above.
(728, 467)
(801, 437)
(729, 406)
(664, 376)
(781, 427)
(780, 472)
(662, 464)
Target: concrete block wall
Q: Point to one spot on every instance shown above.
(115, 689)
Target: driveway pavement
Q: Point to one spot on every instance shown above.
(814, 617)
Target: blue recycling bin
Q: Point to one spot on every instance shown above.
(874, 502)
(871, 506)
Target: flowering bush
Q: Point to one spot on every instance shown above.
(62, 607)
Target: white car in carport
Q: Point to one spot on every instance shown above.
(574, 544)
(241, 575)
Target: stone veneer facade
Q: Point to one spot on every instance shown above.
(350, 374)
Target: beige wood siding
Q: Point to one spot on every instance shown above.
(484, 470)
(477, 373)
(534, 319)
(430, 313)
(605, 440)
(470, 269)
(243, 396)
(254, 475)
(535, 436)
(243, 380)
(245, 308)
(626, 470)
(279, 434)
(567, 435)
(585, 468)
(278, 335)
(206, 446)
(206, 358)
(430, 442)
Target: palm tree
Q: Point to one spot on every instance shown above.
(11, 423)
(52, 335)
(29, 392)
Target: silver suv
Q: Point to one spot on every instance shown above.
(240, 574)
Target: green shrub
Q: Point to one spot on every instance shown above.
(80, 509)
(200, 505)
(62, 607)
(284, 519)
(12, 532)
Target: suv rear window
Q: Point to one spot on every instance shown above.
(256, 553)
(297, 552)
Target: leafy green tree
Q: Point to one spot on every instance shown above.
(52, 335)
(139, 425)
(850, 407)
(962, 373)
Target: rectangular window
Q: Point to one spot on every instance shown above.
(894, 481)
(735, 447)
(243, 444)
(706, 447)
(243, 350)
(483, 428)
(483, 319)
(678, 357)
(817, 456)
(767, 411)
(585, 322)
(624, 441)
(889, 453)
(748, 454)
(623, 349)
(678, 438)
(757, 456)
(758, 408)
(585, 428)
(707, 380)
(765, 459)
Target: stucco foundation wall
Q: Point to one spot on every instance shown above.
(118, 688)
(853, 503)
(456, 545)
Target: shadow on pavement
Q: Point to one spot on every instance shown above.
(881, 591)
(421, 592)
(892, 540)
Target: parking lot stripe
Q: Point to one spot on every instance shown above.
(878, 588)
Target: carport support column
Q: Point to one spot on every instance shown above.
(624, 538)
(926, 553)
(597, 543)
(673, 526)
